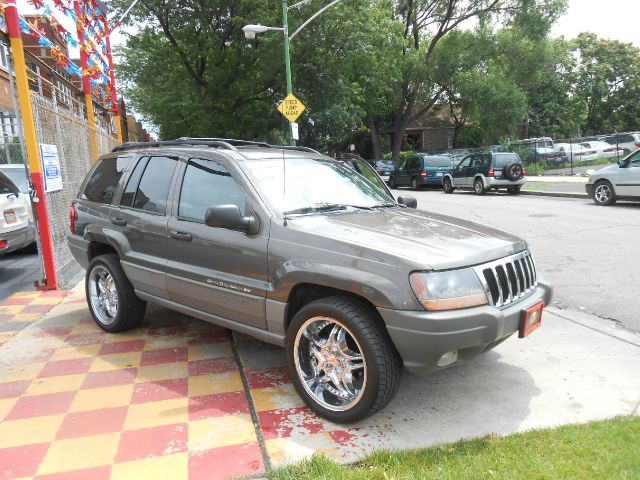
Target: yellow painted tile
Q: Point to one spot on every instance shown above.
(271, 398)
(97, 398)
(221, 431)
(169, 467)
(79, 453)
(62, 383)
(25, 317)
(26, 294)
(10, 309)
(46, 301)
(154, 343)
(28, 431)
(287, 450)
(136, 334)
(116, 361)
(215, 383)
(20, 372)
(6, 336)
(6, 404)
(165, 371)
(165, 412)
(81, 351)
(211, 350)
(85, 328)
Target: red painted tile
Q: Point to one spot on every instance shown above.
(213, 336)
(15, 301)
(13, 389)
(269, 377)
(160, 390)
(225, 462)
(122, 347)
(285, 422)
(40, 405)
(94, 422)
(55, 293)
(95, 473)
(21, 461)
(110, 378)
(217, 404)
(85, 338)
(153, 442)
(168, 330)
(6, 317)
(344, 438)
(212, 365)
(163, 355)
(66, 367)
(58, 332)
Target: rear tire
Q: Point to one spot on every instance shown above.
(478, 187)
(603, 193)
(392, 183)
(341, 360)
(414, 184)
(446, 186)
(112, 301)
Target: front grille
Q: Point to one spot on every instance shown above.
(509, 279)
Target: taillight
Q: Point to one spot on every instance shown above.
(424, 173)
(638, 144)
(3, 244)
(491, 173)
(524, 172)
(73, 216)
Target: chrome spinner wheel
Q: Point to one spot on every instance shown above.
(329, 363)
(603, 194)
(103, 295)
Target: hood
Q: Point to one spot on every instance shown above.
(609, 168)
(422, 239)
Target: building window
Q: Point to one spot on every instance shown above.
(4, 59)
(449, 140)
(64, 93)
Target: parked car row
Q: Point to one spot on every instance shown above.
(16, 226)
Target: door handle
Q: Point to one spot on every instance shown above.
(119, 221)
(185, 237)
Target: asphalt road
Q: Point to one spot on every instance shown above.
(18, 271)
(589, 253)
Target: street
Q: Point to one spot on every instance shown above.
(18, 271)
(589, 253)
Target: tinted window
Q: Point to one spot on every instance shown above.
(207, 183)
(104, 179)
(437, 162)
(132, 185)
(465, 163)
(153, 191)
(414, 164)
(6, 185)
(506, 158)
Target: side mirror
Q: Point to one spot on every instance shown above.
(622, 163)
(408, 201)
(228, 216)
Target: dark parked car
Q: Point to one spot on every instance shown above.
(420, 171)
(299, 250)
(484, 171)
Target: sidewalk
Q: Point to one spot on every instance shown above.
(556, 186)
(178, 398)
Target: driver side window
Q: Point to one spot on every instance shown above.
(465, 162)
(634, 161)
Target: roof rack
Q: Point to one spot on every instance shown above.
(225, 143)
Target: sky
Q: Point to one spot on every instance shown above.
(613, 19)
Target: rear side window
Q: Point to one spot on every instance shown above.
(437, 162)
(103, 181)
(132, 185)
(207, 183)
(152, 192)
(6, 185)
(506, 158)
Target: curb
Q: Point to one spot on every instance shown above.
(543, 193)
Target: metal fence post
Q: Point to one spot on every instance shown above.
(50, 282)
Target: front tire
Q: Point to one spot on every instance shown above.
(342, 363)
(446, 186)
(112, 301)
(414, 184)
(603, 193)
(478, 187)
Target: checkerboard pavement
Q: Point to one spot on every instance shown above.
(165, 400)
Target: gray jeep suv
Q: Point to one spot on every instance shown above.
(299, 250)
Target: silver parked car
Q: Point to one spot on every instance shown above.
(616, 182)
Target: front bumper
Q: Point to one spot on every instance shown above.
(18, 239)
(422, 337)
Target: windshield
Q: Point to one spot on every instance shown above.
(504, 159)
(17, 176)
(437, 162)
(313, 184)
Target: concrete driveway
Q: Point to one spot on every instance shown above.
(179, 398)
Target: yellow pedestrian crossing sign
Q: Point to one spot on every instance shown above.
(291, 107)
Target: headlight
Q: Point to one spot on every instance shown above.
(448, 290)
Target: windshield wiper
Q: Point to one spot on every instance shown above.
(324, 207)
(384, 205)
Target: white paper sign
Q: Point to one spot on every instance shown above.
(294, 131)
(50, 168)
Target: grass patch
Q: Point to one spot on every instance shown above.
(608, 449)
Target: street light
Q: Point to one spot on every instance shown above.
(250, 32)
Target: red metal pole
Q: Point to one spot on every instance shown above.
(50, 282)
(114, 93)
